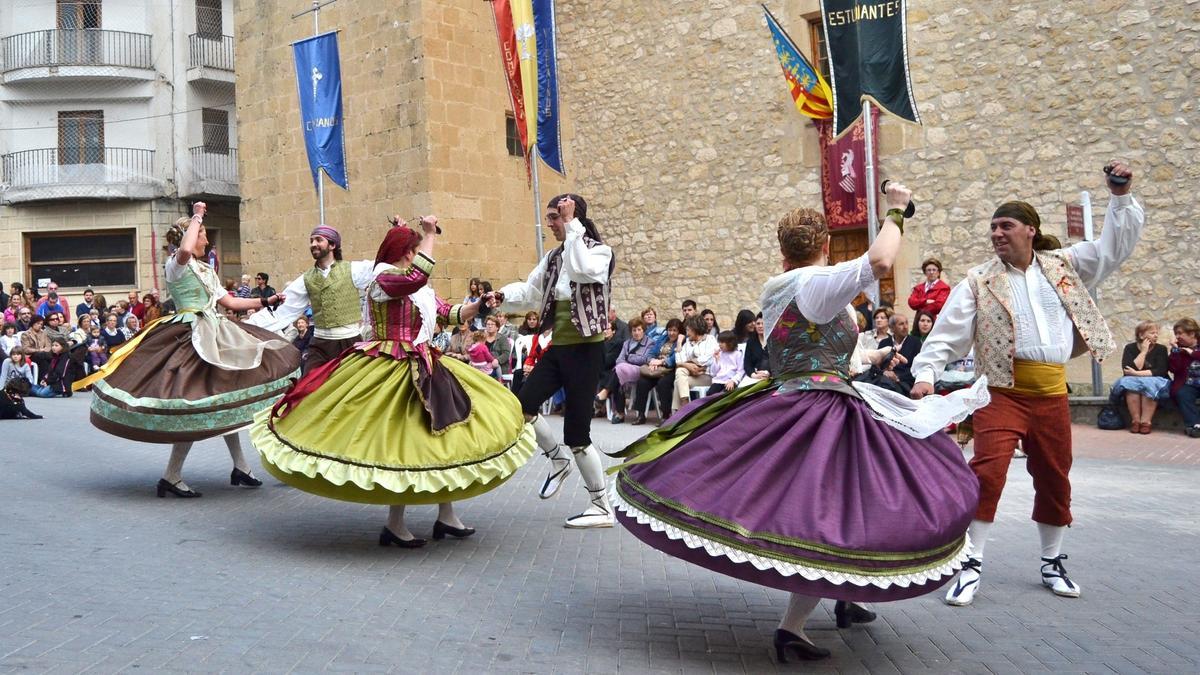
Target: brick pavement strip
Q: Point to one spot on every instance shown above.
(98, 575)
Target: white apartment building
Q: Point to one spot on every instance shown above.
(115, 115)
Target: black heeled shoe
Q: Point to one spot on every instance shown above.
(848, 613)
(164, 487)
(640, 419)
(389, 538)
(785, 640)
(239, 477)
(440, 530)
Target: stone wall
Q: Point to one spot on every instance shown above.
(690, 149)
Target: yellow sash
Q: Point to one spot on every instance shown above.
(115, 359)
(1034, 378)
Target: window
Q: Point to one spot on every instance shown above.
(849, 244)
(81, 137)
(78, 40)
(819, 55)
(208, 19)
(511, 138)
(215, 128)
(82, 259)
(76, 14)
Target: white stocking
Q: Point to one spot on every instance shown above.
(395, 522)
(174, 471)
(591, 469)
(546, 440)
(1052, 539)
(978, 531)
(798, 610)
(446, 515)
(234, 443)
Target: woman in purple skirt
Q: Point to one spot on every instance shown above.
(806, 482)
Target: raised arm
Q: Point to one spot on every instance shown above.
(583, 263)
(192, 234)
(951, 339)
(1123, 224)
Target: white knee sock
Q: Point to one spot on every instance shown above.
(591, 469)
(174, 471)
(446, 515)
(544, 435)
(395, 522)
(798, 610)
(234, 443)
(1052, 539)
(978, 532)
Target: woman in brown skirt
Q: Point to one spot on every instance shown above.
(194, 374)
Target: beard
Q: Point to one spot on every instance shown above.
(317, 252)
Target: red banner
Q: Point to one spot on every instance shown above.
(511, 60)
(843, 173)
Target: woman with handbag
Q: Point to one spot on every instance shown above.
(1144, 363)
(658, 374)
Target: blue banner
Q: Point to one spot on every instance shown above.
(549, 144)
(319, 81)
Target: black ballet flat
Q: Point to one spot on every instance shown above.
(848, 613)
(239, 477)
(389, 538)
(640, 419)
(440, 530)
(164, 487)
(805, 650)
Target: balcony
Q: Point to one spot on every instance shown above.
(79, 173)
(210, 59)
(45, 55)
(212, 173)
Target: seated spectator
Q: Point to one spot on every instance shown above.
(881, 329)
(924, 321)
(304, 334)
(12, 401)
(88, 304)
(710, 322)
(441, 337)
(25, 318)
(15, 303)
(654, 332)
(726, 369)
(634, 354)
(521, 347)
(36, 343)
(619, 327)
(55, 328)
(692, 359)
(97, 350)
(1145, 364)
(530, 325)
(50, 305)
(152, 310)
(481, 357)
(101, 304)
(64, 305)
(688, 309)
(9, 340)
(262, 289)
(907, 347)
(497, 344)
(1184, 364)
(658, 374)
(230, 286)
(243, 288)
(132, 326)
(507, 329)
(460, 342)
(931, 293)
(4, 297)
(15, 366)
(756, 365)
(59, 373)
(112, 334)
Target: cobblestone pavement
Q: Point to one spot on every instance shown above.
(98, 575)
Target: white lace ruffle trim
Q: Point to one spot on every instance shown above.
(787, 569)
(928, 416)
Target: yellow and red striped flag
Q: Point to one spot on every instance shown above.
(809, 91)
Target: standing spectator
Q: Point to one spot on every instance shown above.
(4, 297)
(658, 374)
(135, 306)
(473, 293)
(710, 322)
(243, 289)
(15, 303)
(906, 348)
(497, 344)
(1145, 364)
(65, 305)
(9, 339)
(89, 303)
(620, 328)
(924, 321)
(881, 319)
(1184, 364)
(111, 333)
(688, 309)
(692, 359)
(214, 260)
(726, 369)
(101, 303)
(50, 304)
(262, 289)
(932, 293)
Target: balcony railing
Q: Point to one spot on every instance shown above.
(210, 52)
(76, 47)
(214, 165)
(78, 166)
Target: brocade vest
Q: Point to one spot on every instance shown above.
(808, 356)
(334, 298)
(995, 331)
(589, 302)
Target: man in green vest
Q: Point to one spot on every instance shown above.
(334, 289)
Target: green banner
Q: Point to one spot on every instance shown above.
(868, 58)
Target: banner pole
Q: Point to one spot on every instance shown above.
(320, 177)
(537, 203)
(872, 214)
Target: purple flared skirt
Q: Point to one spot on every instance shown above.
(804, 491)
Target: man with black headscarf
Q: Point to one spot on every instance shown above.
(570, 290)
(1027, 312)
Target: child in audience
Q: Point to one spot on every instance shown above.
(481, 356)
(726, 368)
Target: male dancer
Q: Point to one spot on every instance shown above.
(333, 288)
(1027, 312)
(570, 287)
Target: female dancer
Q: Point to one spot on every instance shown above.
(795, 482)
(391, 421)
(195, 374)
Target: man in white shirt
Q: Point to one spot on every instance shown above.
(334, 289)
(1027, 312)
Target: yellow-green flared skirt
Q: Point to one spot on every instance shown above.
(364, 436)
